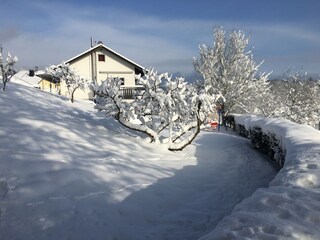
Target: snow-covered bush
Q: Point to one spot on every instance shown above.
(267, 143)
(228, 68)
(165, 103)
(69, 77)
(297, 98)
(7, 68)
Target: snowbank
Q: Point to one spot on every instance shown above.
(66, 172)
(290, 207)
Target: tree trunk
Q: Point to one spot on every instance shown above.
(72, 95)
(180, 148)
(180, 134)
(3, 77)
(170, 132)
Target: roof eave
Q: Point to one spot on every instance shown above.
(108, 49)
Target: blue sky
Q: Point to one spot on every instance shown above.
(162, 34)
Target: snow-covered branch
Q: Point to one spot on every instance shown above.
(7, 68)
(166, 103)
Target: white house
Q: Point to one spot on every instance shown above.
(99, 63)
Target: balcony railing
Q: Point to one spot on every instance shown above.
(128, 92)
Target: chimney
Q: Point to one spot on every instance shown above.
(92, 42)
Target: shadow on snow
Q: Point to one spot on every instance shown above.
(186, 205)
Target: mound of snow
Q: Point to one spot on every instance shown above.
(66, 172)
(290, 207)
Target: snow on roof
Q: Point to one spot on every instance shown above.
(23, 77)
(108, 49)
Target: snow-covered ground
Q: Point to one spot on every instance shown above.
(290, 207)
(68, 173)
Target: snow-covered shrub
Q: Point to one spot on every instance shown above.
(165, 103)
(69, 77)
(241, 130)
(297, 98)
(228, 68)
(109, 99)
(265, 142)
(7, 68)
(229, 120)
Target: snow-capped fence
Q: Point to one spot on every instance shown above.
(265, 141)
(289, 208)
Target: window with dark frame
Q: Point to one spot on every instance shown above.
(101, 58)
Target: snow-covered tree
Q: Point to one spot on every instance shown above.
(297, 98)
(165, 103)
(7, 68)
(197, 107)
(109, 98)
(228, 69)
(69, 77)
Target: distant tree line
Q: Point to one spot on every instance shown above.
(296, 97)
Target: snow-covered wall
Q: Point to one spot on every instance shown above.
(290, 207)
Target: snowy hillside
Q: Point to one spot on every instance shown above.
(68, 173)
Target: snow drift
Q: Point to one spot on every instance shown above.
(67, 172)
(290, 207)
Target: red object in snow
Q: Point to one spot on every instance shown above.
(214, 124)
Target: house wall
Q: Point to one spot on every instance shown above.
(83, 66)
(78, 94)
(113, 67)
(45, 85)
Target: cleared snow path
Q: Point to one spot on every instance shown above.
(65, 173)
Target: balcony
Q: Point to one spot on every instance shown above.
(128, 92)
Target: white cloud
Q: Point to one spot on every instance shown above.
(166, 44)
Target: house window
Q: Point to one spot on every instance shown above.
(101, 58)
